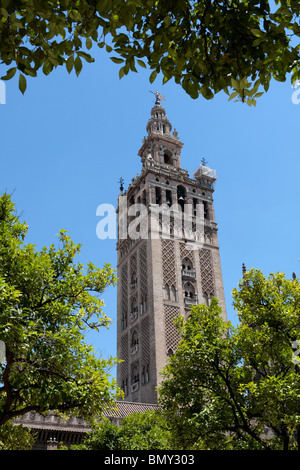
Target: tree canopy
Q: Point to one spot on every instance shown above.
(206, 46)
(238, 387)
(47, 302)
(138, 431)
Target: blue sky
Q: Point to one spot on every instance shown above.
(68, 140)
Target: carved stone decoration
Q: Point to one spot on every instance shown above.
(168, 262)
(125, 357)
(145, 341)
(171, 332)
(124, 296)
(143, 270)
(207, 273)
(185, 253)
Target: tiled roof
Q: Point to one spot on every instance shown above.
(125, 408)
(55, 423)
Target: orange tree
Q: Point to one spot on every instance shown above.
(238, 387)
(47, 302)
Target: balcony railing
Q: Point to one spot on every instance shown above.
(134, 387)
(134, 348)
(133, 316)
(191, 300)
(189, 273)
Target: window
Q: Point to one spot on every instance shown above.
(168, 197)
(157, 195)
(207, 298)
(134, 378)
(181, 196)
(189, 290)
(167, 159)
(144, 197)
(167, 292)
(205, 208)
(133, 281)
(194, 206)
(134, 342)
(125, 386)
(173, 294)
(187, 264)
(145, 374)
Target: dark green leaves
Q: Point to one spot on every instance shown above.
(203, 48)
(22, 83)
(226, 386)
(47, 301)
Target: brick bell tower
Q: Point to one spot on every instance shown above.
(168, 256)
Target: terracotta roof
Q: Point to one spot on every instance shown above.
(125, 408)
(52, 422)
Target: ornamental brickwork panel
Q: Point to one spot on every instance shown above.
(133, 265)
(185, 253)
(171, 332)
(145, 341)
(168, 262)
(143, 270)
(124, 294)
(207, 272)
(124, 357)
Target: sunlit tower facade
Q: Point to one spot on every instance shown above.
(168, 256)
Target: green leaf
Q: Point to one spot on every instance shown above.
(121, 72)
(153, 76)
(86, 56)
(9, 74)
(88, 43)
(117, 60)
(47, 67)
(22, 83)
(233, 95)
(77, 65)
(257, 32)
(141, 63)
(70, 63)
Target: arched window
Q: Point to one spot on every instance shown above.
(134, 374)
(157, 195)
(133, 281)
(125, 386)
(134, 342)
(167, 292)
(187, 264)
(134, 309)
(189, 290)
(145, 374)
(168, 158)
(207, 298)
(173, 294)
(181, 196)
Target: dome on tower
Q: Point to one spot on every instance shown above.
(158, 123)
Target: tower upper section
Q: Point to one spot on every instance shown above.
(160, 145)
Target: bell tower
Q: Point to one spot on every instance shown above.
(168, 256)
